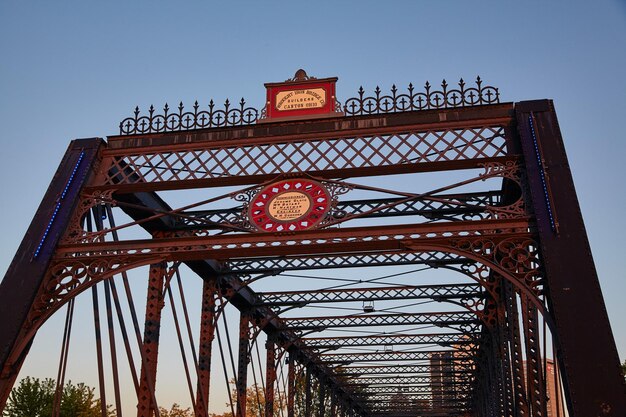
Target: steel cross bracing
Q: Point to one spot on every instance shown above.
(418, 381)
(465, 320)
(329, 154)
(348, 358)
(435, 292)
(392, 404)
(449, 206)
(359, 238)
(453, 398)
(390, 340)
(406, 369)
(404, 380)
(399, 399)
(347, 260)
(450, 399)
(402, 402)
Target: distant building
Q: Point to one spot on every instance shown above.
(555, 399)
(442, 378)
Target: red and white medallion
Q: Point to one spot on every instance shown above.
(289, 206)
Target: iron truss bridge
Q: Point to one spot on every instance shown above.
(406, 253)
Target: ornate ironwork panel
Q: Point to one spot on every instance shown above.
(311, 155)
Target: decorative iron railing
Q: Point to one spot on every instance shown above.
(426, 100)
(187, 120)
(378, 103)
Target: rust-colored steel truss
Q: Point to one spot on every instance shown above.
(426, 186)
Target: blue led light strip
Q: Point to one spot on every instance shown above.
(542, 175)
(58, 205)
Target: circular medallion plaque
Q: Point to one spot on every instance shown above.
(289, 205)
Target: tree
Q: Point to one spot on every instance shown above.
(79, 400)
(35, 398)
(175, 411)
(31, 398)
(255, 402)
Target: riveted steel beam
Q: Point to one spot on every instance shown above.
(423, 369)
(439, 319)
(434, 292)
(346, 358)
(448, 340)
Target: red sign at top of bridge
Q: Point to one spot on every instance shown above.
(301, 97)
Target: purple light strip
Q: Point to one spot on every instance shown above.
(542, 174)
(58, 205)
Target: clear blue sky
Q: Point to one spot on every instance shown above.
(75, 69)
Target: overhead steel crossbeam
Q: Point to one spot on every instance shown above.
(241, 159)
(434, 292)
(410, 412)
(397, 379)
(391, 408)
(320, 241)
(445, 319)
(386, 356)
(444, 206)
(448, 392)
(373, 381)
(449, 397)
(446, 339)
(444, 393)
(404, 380)
(338, 260)
(424, 411)
(426, 369)
(402, 401)
(416, 402)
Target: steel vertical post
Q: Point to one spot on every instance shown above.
(586, 348)
(270, 377)
(291, 385)
(322, 398)
(242, 365)
(207, 334)
(534, 372)
(519, 384)
(154, 307)
(307, 392)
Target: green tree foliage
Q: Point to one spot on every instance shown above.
(175, 411)
(31, 398)
(255, 402)
(34, 398)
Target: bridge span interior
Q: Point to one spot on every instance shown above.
(403, 274)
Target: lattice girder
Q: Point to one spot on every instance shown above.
(347, 358)
(436, 292)
(241, 162)
(390, 340)
(355, 371)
